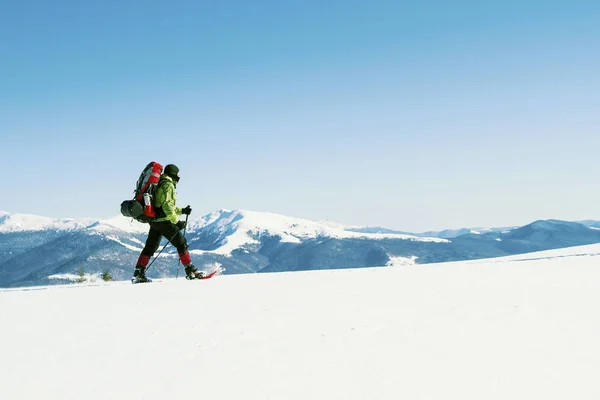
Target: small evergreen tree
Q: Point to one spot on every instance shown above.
(106, 276)
(81, 273)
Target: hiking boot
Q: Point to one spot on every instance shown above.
(139, 275)
(192, 272)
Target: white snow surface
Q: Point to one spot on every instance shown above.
(520, 327)
(396, 261)
(237, 228)
(75, 277)
(591, 250)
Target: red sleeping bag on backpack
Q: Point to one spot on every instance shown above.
(146, 185)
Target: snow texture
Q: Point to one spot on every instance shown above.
(26, 222)
(401, 261)
(238, 228)
(520, 327)
(235, 228)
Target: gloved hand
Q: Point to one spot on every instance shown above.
(187, 210)
(180, 225)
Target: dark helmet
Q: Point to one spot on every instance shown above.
(172, 171)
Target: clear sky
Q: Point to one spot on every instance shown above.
(412, 115)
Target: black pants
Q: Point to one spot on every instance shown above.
(168, 230)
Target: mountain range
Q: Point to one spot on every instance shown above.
(37, 250)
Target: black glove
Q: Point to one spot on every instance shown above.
(187, 210)
(180, 225)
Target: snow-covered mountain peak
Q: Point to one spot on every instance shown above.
(30, 223)
(120, 223)
(27, 222)
(237, 228)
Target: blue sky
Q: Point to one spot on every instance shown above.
(412, 115)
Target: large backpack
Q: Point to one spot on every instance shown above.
(140, 207)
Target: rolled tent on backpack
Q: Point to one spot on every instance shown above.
(131, 209)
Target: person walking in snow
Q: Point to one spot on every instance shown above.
(166, 224)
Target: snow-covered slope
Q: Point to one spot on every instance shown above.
(33, 249)
(120, 223)
(235, 229)
(30, 223)
(591, 250)
(26, 222)
(511, 330)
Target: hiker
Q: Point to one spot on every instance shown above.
(166, 223)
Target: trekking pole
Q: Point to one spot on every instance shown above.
(156, 256)
(184, 229)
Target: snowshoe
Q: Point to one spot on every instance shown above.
(192, 272)
(139, 275)
(141, 280)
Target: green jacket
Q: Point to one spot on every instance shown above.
(165, 198)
